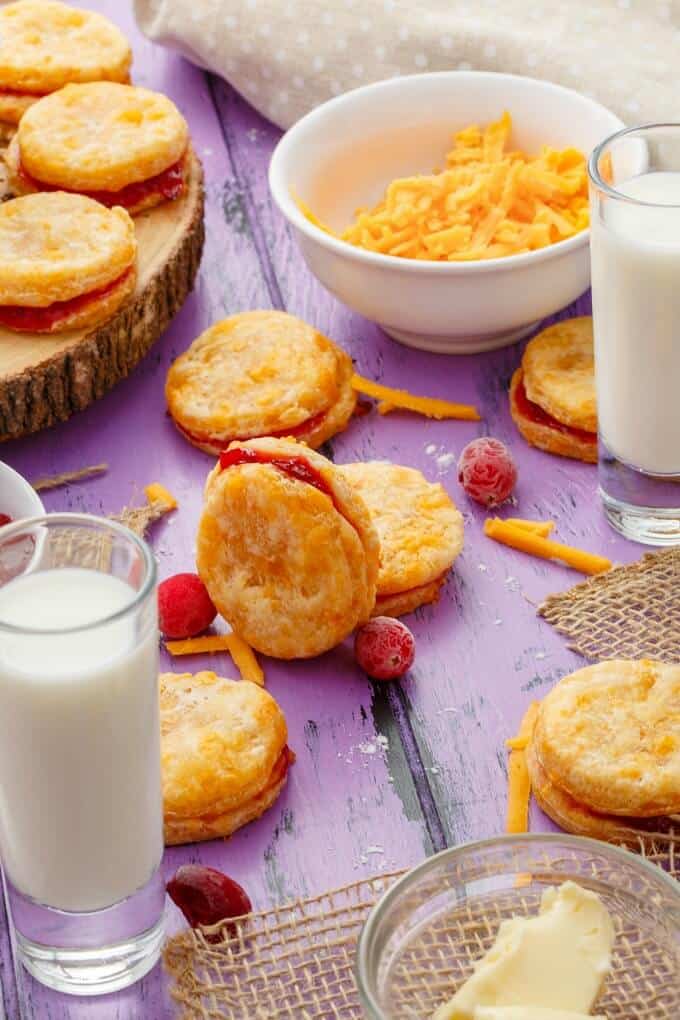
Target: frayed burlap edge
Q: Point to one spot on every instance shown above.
(297, 961)
(630, 612)
(137, 519)
(56, 481)
(140, 518)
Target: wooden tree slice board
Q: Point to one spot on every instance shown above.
(45, 379)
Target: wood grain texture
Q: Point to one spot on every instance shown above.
(385, 775)
(352, 805)
(482, 652)
(46, 379)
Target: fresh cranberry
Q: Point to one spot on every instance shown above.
(184, 606)
(206, 896)
(487, 471)
(384, 648)
(5, 519)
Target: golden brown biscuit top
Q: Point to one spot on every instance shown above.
(419, 527)
(253, 373)
(290, 564)
(609, 735)
(220, 741)
(55, 246)
(101, 136)
(559, 372)
(344, 496)
(45, 44)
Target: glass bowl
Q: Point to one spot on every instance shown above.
(422, 937)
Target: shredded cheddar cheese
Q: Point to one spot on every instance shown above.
(489, 202)
(157, 493)
(519, 783)
(545, 548)
(431, 407)
(241, 653)
(309, 215)
(526, 729)
(543, 528)
(244, 658)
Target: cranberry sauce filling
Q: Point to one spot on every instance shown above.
(536, 414)
(34, 319)
(309, 425)
(295, 467)
(169, 184)
(17, 94)
(5, 519)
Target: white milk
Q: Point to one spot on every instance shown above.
(80, 787)
(636, 308)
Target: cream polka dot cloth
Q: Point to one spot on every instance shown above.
(286, 56)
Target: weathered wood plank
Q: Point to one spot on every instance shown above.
(482, 653)
(366, 793)
(352, 807)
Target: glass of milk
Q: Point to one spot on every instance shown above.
(635, 254)
(81, 821)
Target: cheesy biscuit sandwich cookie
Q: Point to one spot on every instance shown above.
(552, 394)
(66, 262)
(119, 144)
(581, 820)
(419, 528)
(286, 548)
(262, 373)
(45, 44)
(609, 736)
(224, 755)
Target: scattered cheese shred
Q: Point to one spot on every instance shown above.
(157, 493)
(519, 783)
(526, 728)
(488, 202)
(431, 407)
(543, 528)
(245, 660)
(545, 548)
(241, 653)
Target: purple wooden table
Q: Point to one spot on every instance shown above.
(385, 775)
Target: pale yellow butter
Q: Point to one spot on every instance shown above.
(530, 1013)
(557, 960)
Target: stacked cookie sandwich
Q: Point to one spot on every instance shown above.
(552, 394)
(604, 758)
(44, 45)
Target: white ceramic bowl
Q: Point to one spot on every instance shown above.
(17, 498)
(342, 155)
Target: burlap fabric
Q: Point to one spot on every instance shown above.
(296, 962)
(631, 612)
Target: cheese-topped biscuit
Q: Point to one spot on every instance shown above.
(286, 548)
(118, 143)
(45, 44)
(545, 432)
(223, 753)
(419, 528)
(65, 261)
(559, 372)
(575, 817)
(262, 373)
(609, 735)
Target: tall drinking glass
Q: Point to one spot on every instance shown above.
(635, 252)
(81, 832)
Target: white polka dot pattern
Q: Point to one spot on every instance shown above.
(286, 57)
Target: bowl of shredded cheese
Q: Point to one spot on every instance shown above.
(450, 208)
